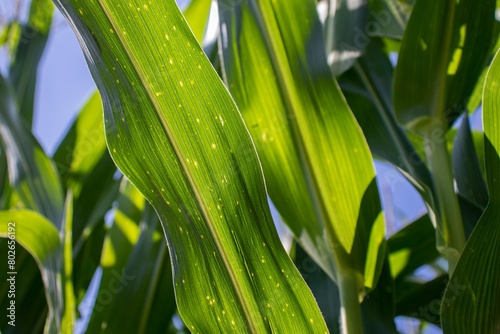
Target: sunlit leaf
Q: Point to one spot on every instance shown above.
(345, 33)
(196, 15)
(451, 47)
(30, 47)
(175, 132)
(302, 127)
(119, 242)
(29, 226)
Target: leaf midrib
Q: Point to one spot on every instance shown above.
(193, 188)
(293, 105)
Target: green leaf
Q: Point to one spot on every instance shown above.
(83, 145)
(451, 47)
(377, 308)
(29, 226)
(301, 126)
(412, 247)
(390, 17)
(147, 280)
(118, 244)
(32, 174)
(196, 15)
(99, 191)
(472, 305)
(29, 50)
(68, 315)
(367, 88)
(468, 176)
(31, 305)
(175, 132)
(421, 300)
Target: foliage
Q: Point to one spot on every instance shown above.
(164, 205)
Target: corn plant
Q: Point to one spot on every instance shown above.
(155, 205)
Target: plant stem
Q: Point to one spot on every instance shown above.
(450, 226)
(350, 311)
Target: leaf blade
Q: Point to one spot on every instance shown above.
(142, 120)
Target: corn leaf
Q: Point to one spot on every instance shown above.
(345, 35)
(452, 47)
(66, 268)
(175, 132)
(29, 226)
(196, 15)
(367, 88)
(471, 303)
(31, 173)
(30, 47)
(302, 128)
(412, 247)
(389, 17)
(146, 279)
(119, 242)
(82, 146)
(471, 187)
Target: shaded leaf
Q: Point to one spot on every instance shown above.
(119, 242)
(196, 15)
(302, 127)
(452, 48)
(346, 30)
(367, 88)
(31, 173)
(472, 305)
(391, 17)
(468, 176)
(82, 146)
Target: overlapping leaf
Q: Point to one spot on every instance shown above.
(472, 303)
(83, 146)
(175, 132)
(318, 168)
(28, 227)
(451, 48)
(31, 173)
(345, 35)
(30, 47)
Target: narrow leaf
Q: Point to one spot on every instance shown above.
(68, 314)
(472, 303)
(468, 176)
(32, 174)
(83, 145)
(197, 14)
(302, 127)
(119, 242)
(451, 48)
(345, 35)
(24, 67)
(175, 132)
(29, 226)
